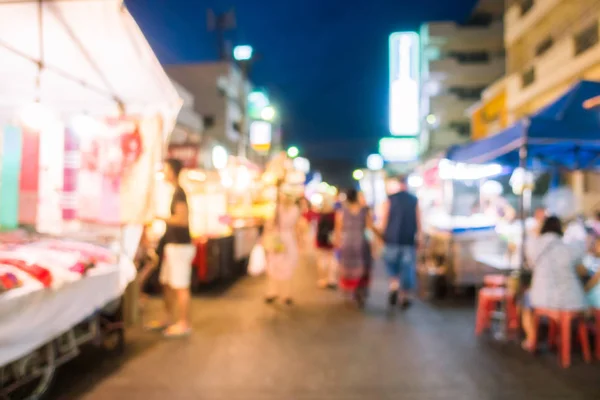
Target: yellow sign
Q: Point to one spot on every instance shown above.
(489, 117)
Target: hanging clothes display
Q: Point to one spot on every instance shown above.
(142, 154)
(10, 167)
(51, 176)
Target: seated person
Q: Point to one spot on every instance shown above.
(555, 281)
(592, 286)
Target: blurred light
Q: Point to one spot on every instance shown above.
(293, 152)
(302, 164)
(415, 181)
(84, 125)
(491, 188)
(243, 178)
(196, 176)
(268, 113)
(316, 199)
(375, 162)
(226, 179)
(160, 176)
(467, 172)
(242, 53)
(358, 174)
(220, 157)
(323, 186)
(258, 99)
(399, 149)
(261, 135)
(404, 83)
(431, 119)
(333, 191)
(36, 116)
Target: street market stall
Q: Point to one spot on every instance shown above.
(564, 136)
(453, 223)
(84, 111)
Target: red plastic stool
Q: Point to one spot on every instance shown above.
(487, 300)
(597, 321)
(494, 280)
(563, 319)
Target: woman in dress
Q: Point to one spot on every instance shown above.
(556, 282)
(282, 258)
(355, 251)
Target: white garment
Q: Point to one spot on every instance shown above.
(555, 283)
(176, 269)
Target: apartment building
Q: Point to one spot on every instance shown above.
(550, 45)
(458, 62)
(218, 92)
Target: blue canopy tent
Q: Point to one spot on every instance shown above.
(565, 134)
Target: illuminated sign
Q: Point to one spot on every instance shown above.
(258, 100)
(404, 84)
(260, 135)
(399, 149)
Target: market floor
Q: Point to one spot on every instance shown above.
(320, 349)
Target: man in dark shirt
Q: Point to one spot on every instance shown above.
(179, 253)
(401, 234)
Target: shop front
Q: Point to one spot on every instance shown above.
(84, 113)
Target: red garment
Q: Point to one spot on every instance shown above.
(310, 215)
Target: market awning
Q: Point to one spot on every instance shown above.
(94, 60)
(564, 134)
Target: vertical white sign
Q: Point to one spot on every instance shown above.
(404, 115)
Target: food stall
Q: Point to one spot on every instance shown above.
(561, 137)
(80, 137)
(453, 222)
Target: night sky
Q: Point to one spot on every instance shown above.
(324, 61)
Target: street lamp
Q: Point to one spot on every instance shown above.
(243, 53)
(358, 174)
(268, 113)
(293, 152)
(375, 162)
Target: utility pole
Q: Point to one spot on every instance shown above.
(221, 23)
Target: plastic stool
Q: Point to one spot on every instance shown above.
(563, 319)
(597, 322)
(487, 300)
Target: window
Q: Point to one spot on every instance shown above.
(470, 57)
(480, 19)
(467, 93)
(544, 46)
(526, 5)
(209, 121)
(463, 128)
(528, 77)
(586, 39)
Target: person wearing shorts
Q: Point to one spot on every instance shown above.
(179, 252)
(401, 231)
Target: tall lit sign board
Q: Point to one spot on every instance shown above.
(404, 84)
(261, 135)
(399, 149)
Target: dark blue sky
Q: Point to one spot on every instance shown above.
(325, 61)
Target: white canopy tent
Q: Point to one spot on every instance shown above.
(89, 57)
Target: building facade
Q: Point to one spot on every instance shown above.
(458, 62)
(218, 93)
(550, 45)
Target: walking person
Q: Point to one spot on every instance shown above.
(179, 253)
(354, 249)
(401, 235)
(326, 259)
(285, 231)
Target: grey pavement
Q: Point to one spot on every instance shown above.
(321, 349)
